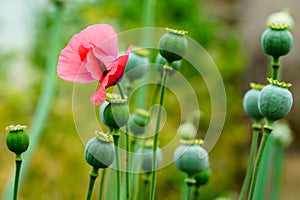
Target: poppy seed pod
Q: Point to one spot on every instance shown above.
(114, 112)
(137, 64)
(172, 45)
(99, 151)
(138, 121)
(275, 101)
(276, 42)
(191, 159)
(145, 155)
(250, 104)
(17, 140)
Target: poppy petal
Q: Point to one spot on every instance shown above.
(99, 96)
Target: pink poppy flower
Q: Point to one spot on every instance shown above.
(92, 55)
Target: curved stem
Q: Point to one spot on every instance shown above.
(49, 86)
(93, 176)
(17, 176)
(155, 142)
(102, 184)
(266, 133)
(255, 134)
(118, 173)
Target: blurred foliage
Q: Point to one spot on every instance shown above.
(58, 170)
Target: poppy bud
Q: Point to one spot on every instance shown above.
(172, 45)
(17, 140)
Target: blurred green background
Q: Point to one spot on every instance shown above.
(226, 29)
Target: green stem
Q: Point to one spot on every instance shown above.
(196, 193)
(266, 133)
(155, 142)
(144, 186)
(256, 131)
(265, 171)
(122, 93)
(127, 164)
(277, 171)
(17, 176)
(93, 176)
(43, 107)
(275, 68)
(102, 184)
(188, 192)
(118, 173)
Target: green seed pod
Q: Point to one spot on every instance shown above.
(99, 151)
(172, 45)
(202, 177)
(276, 42)
(250, 104)
(145, 155)
(187, 131)
(191, 159)
(114, 113)
(138, 121)
(275, 102)
(160, 62)
(17, 140)
(137, 64)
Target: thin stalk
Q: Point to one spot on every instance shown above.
(265, 171)
(127, 164)
(144, 186)
(43, 107)
(188, 192)
(253, 149)
(155, 142)
(275, 68)
(277, 171)
(266, 133)
(118, 173)
(17, 176)
(93, 176)
(102, 181)
(196, 193)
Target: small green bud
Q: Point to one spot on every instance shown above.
(160, 62)
(172, 45)
(17, 140)
(202, 177)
